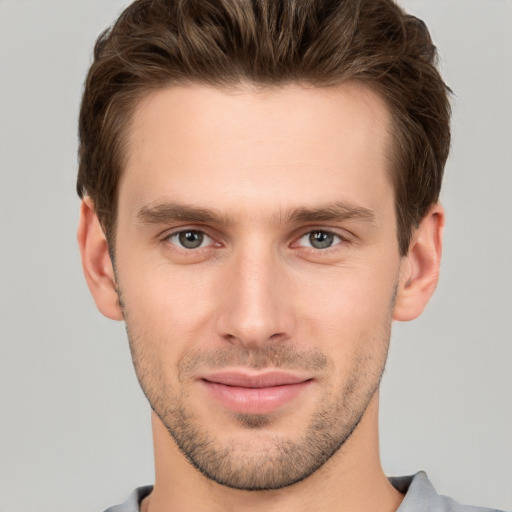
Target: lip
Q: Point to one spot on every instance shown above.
(260, 393)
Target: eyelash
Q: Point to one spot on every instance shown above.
(168, 238)
(339, 240)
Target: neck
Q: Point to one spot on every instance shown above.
(351, 480)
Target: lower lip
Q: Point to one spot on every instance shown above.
(255, 400)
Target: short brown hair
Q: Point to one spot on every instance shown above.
(223, 43)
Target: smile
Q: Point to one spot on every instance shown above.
(254, 394)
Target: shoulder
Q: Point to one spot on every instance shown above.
(420, 496)
(133, 502)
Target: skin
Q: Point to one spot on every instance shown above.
(258, 172)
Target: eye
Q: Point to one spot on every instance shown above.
(319, 239)
(190, 239)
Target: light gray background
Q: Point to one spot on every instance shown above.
(74, 427)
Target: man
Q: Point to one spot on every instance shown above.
(260, 184)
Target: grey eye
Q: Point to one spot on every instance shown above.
(319, 239)
(190, 239)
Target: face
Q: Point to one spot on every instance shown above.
(257, 263)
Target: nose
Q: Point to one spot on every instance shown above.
(255, 307)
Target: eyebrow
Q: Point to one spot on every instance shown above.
(337, 211)
(168, 212)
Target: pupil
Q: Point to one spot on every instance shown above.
(321, 240)
(191, 239)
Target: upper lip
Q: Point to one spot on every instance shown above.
(258, 380)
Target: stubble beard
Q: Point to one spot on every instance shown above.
(282, 462)
(278, 462)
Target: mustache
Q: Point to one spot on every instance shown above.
(271, 356)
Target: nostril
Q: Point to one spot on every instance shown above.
(278, 336)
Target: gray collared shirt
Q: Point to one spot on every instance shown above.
(420, 496)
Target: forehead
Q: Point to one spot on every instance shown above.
(252, 148)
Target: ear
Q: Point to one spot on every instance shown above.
(419, 269)
(96, 262)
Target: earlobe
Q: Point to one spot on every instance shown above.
(419, 271)
(96, 262)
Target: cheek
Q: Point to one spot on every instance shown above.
(354, 309)
(165, 302)
(353, 295)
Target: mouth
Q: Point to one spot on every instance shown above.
(261, 393)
